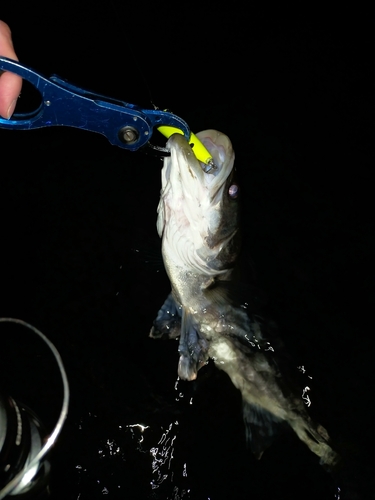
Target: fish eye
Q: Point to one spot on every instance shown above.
(233, 191)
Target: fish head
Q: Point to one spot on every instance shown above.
(198, 210)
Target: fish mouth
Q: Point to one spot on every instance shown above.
(194, 171)
(192, 196)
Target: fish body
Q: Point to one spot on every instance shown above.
(198, 222)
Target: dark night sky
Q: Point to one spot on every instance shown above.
(293, 90)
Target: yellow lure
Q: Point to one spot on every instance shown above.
(200, 151)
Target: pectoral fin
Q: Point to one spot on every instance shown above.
(193, 349)
(168, 321)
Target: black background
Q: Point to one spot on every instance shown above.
(292, 89)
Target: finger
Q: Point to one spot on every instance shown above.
(10, 84)
(10, 88)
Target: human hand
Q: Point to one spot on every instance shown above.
(10, 84)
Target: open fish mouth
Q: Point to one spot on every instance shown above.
(184, 158)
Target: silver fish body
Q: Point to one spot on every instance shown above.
(198, 221)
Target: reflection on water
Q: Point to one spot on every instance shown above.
(191, 451)
(162, 455)
(154, 456)
(137, 457)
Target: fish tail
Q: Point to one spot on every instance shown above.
(316, 437)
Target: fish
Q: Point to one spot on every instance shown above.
(198, 221)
